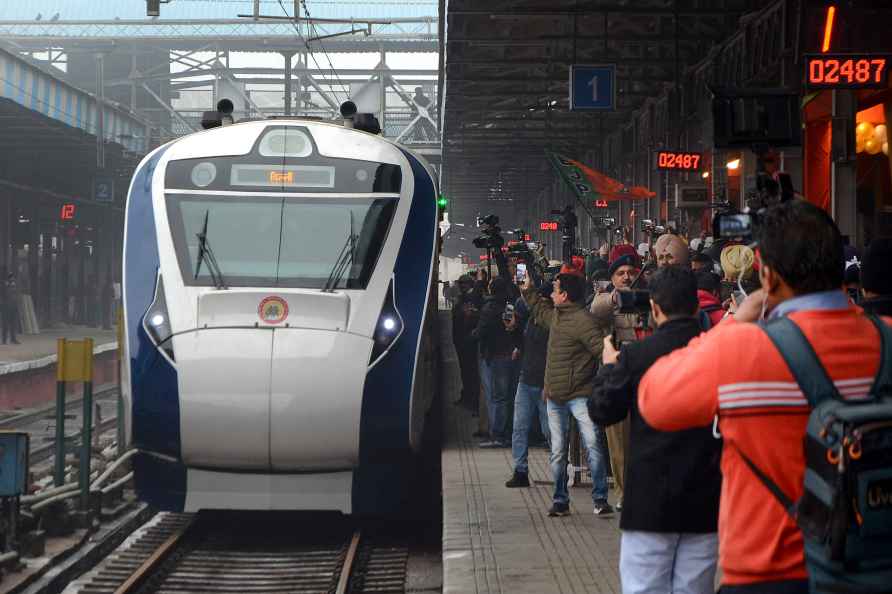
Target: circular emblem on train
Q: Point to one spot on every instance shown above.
(273, 310)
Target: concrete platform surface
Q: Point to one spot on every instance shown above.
(39, 346)
(497, 539)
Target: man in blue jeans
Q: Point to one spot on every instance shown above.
(575, 343)
(497, 338)
(528, 399)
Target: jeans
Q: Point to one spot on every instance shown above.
(496, 376)
(559, 425)
(527, 401)
(9, 322)
(668, 562)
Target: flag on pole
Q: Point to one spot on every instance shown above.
(589, 184)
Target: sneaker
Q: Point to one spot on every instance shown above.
(602, 508)
(559, 510)
(520, 479)
(619, 506)
(490, 445)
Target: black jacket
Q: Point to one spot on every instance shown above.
(880, 306)
(492, 337)
(535, 349)
(672, 480)
(465, 315)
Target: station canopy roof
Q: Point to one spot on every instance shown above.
(401, 25)
(507, 80)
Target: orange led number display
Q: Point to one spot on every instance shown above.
(67, 212)
(281, 177)
(835, 71)
(678, 160)
(548, 226)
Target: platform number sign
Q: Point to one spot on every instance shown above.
(103, 189)
(592, 87)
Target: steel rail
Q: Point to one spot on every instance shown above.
(349, 560)
(147, 568)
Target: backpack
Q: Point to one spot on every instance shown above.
(705, 320)
(845, 513)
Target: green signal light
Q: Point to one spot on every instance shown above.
(442, 202)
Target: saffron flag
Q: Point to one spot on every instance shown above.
(589, 184)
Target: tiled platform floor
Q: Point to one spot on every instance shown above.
(497, 539)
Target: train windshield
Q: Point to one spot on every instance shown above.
(261, 241)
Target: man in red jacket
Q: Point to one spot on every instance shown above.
(734, 371)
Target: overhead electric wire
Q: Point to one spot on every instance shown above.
(312, 26)
(302, 37)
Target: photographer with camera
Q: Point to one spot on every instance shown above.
(770, 384)
(497, 336)
(672, 480)
(624, 269)
(574, 346)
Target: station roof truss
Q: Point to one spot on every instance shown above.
(507, 81)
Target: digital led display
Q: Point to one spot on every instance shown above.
(678, 160)
(67, 212)
(548, 226)
(847, 71)
(601, 204)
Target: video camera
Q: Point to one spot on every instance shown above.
(634, 301)
(529, 252)
(490, 233)
(651, 228)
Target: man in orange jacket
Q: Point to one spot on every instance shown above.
(734, 371)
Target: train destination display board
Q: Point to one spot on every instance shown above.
(678, 160)
(847, 71)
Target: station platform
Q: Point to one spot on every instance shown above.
(497, 539)
(28, 369)
(34, 347)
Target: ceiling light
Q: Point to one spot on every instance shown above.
(735, 164)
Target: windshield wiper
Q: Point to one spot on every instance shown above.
(344, 261)
(205, 253)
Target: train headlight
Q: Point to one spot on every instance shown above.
(203, 174)
(157, 321)
(388, 328)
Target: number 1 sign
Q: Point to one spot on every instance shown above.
(592, 87)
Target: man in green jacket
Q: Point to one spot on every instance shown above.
(574, 346)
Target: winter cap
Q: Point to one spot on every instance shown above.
(623, 249)
(627, 260)
(875, 273)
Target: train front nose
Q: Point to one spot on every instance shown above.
(281, 396)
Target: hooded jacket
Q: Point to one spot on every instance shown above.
(711, 306)
(575, 342)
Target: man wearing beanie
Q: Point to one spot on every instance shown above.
(624, 267)
(876, 282)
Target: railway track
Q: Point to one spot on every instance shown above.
(249, 553)
(40, 423)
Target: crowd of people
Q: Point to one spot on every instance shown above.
(681, 355)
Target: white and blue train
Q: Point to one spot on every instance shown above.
(279, 312)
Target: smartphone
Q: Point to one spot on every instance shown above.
(508, 314)
(521, 273)
(739, 296)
